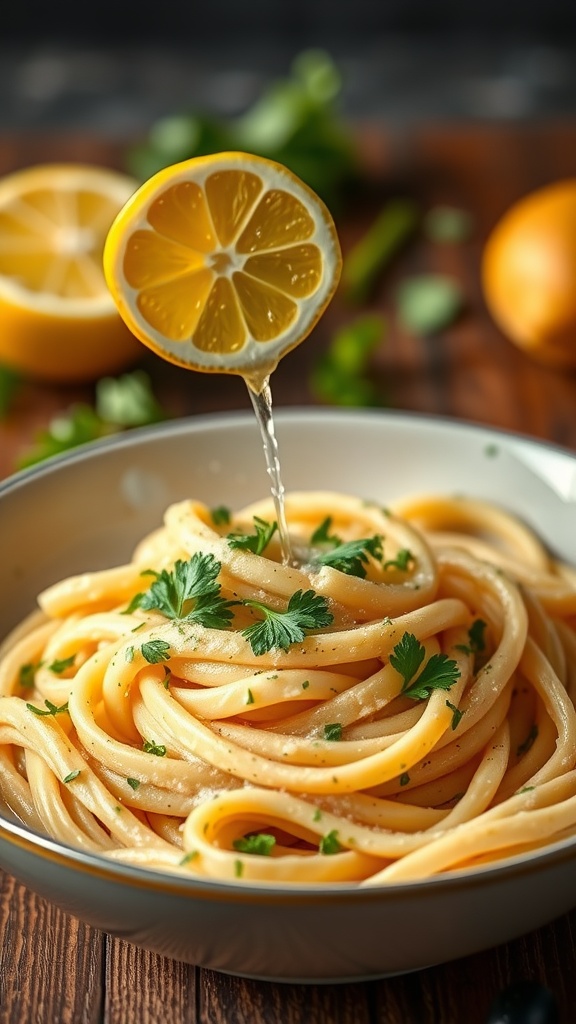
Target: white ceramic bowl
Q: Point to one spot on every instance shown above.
(88, 509)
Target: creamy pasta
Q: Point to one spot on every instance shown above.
(397, 704)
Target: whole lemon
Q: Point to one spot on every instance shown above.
(529, 273)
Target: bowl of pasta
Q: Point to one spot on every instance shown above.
(319, 736)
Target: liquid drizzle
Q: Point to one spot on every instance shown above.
(262, 403)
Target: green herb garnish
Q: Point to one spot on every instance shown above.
(158, 749)
(456, 714)
(403, 560)
(190, 592)
(352, 556)
(155, 651)
(329, 843)
(60, 665)
(279, 630)
(333, 731)
(52, 709)
(256, 542)
(260, 844)
(221, 515)
(439, 673)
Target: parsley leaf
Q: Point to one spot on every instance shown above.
(333, 731)
(352, 556)
(404, 558)
(257, 541)
(329, 843)
(52, 709)
(155, 651)
(456, 714)
(220, 515)
(158, 749)
(60, 665)
(190, 592)
(322, 535)
(71, 776)
(306, 610)
(476, 642)
(439, 673)
(27, 674)
(259, 843)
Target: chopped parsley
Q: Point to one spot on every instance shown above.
(404, 779)
(158, 749)
(27, 674)
(60, 665)
(52, 709)
(333, 731)
(259, 843)
(155, 651)
(133, 783)
(329, 843)
(404, 559)
(351, 557)
(306, 611)
(322, 535)
(456, 714)
(221, 515)
(439, 673)
(72, 775)
(191, 591)
(255, 542)
(476, 641)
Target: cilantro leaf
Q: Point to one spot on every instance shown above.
(259, 843)
(190, 592)
(306, 610)
(257, 541)
(439, 673)
(352, 556)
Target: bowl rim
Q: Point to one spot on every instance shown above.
(59, 853)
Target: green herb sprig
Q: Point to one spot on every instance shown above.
(279, 630)
(439, 673)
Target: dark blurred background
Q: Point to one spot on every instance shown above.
(118, 66)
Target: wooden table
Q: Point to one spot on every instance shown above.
(54, 969)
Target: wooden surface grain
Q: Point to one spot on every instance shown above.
(55, 969)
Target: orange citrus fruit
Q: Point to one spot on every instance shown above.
(58, 321)
(223, 263)
(529, 273)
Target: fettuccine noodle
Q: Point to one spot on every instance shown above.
(173, 744)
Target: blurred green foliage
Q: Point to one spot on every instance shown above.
(294, 121)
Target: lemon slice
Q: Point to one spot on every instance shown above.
(57, 318)
(223, 263)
